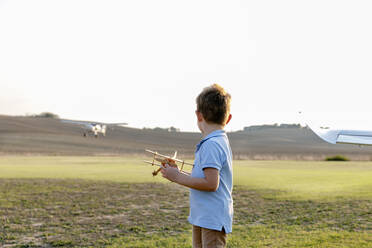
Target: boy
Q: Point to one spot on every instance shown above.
(210, 182)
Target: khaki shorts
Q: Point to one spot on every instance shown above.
(207, 238)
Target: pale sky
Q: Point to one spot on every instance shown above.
(144, 62)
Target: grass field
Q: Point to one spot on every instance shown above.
(115, 202)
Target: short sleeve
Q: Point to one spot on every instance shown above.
(210, 156)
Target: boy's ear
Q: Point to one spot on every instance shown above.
(199, 116)
(228, 119)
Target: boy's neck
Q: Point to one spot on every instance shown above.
(209, 128)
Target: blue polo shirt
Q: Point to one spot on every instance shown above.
(213, 210)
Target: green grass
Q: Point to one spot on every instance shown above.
(115, 169)
(291, 179)
(307, 180)
(115, 202)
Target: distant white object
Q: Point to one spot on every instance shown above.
(94, 127)
(356, 137)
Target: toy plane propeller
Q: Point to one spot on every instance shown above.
(163, 159)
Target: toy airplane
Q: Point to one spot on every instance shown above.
(333, 136)
(94, 128)
(163, 159)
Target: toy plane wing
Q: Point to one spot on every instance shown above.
(174, 158)
(356, 137)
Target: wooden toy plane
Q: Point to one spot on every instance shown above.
(163, 159)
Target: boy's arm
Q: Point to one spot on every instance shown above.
(209, 183)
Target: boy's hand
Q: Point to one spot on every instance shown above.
(170, 172)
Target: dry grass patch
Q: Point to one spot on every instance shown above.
(83, 213)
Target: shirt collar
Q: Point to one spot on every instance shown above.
(212, 134)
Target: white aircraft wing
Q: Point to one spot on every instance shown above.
(356, 137)
(83, 123)
(116, 124)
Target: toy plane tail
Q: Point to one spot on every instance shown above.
(175, 155)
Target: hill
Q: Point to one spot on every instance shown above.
(50, 136)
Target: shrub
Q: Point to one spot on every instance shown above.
(47, 115)
(337, 158)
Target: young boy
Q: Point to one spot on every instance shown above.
(210, 182)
